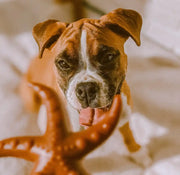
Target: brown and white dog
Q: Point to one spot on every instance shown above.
(85, 62)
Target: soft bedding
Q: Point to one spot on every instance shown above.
(153, 75)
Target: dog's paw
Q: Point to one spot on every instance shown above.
(142, 157)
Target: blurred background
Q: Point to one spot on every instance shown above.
(153, 76)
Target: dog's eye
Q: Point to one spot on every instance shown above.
(107, 58)
(107, 55)
(63, 65)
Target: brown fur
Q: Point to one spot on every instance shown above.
(53, 37)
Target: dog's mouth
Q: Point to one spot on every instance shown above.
(90, 116)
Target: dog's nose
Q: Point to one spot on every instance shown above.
(86, 92)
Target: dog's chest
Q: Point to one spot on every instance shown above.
(74, 117)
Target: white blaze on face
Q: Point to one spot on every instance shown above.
(87, 74)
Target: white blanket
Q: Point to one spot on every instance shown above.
(153, 75)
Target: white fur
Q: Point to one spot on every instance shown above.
(86, 74)
(126, 111)
(74, 118)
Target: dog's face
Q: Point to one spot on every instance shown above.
(90, 73)
(90, 62)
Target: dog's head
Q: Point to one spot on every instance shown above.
(90, 62)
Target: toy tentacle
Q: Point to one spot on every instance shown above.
(56, 126)
(73, 168)
(39, 173)
(45, 170)
(18, 147)
(87, 140)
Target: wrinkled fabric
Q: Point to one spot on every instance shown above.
(153, 76)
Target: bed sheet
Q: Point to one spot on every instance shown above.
(153, 75)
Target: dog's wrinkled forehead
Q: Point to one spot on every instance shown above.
(90, 36)
(100, 39)
(121, 22)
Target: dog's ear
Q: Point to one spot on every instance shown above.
(123, 21)
(46, 33)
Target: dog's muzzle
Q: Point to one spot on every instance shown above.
(86, 93)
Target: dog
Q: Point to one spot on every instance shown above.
(85, 63)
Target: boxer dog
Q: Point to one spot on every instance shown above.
(85, 62)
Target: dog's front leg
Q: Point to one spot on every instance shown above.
(138, 153)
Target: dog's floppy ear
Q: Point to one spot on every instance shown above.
(46, 33)
(123, 21)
